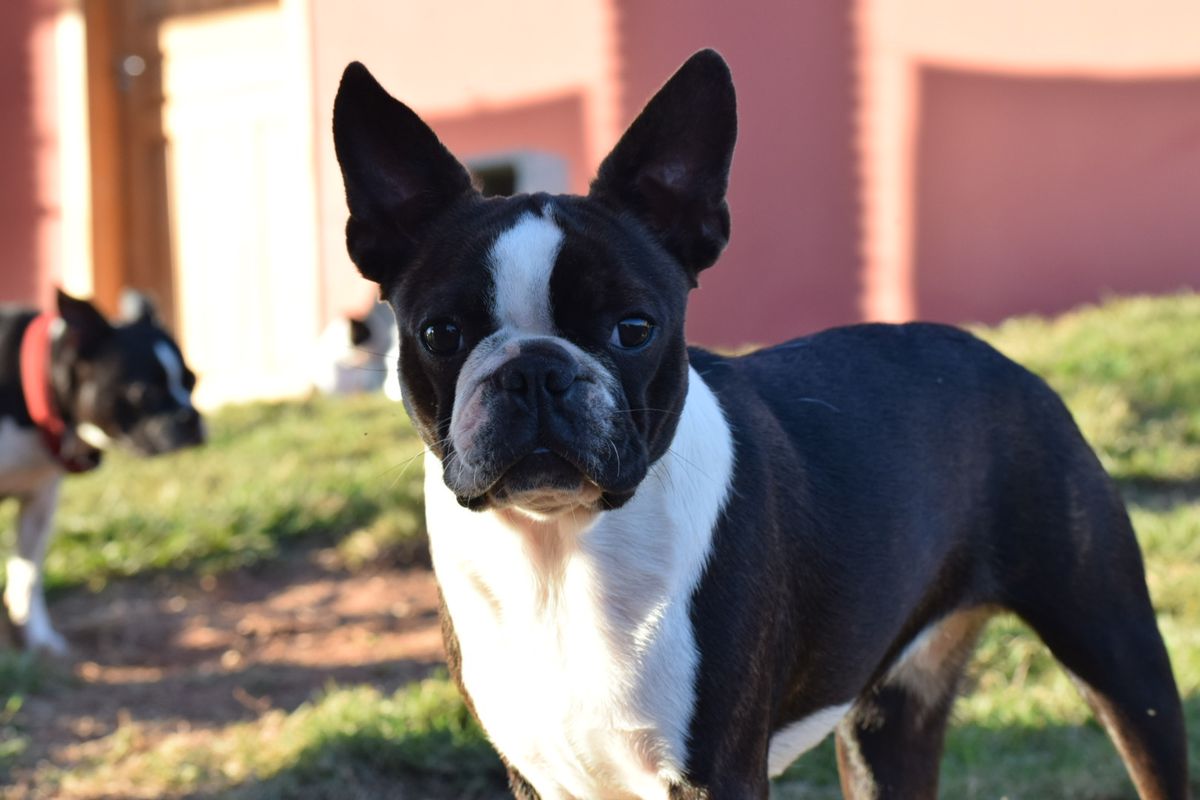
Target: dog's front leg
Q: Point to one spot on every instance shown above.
(23, 592)
(725, 789)
(519, 787)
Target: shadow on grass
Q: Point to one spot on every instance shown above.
(1020, 762)
(1160, 494)
(1068, 762)
(419, 741)
(420, 765)
(20, 675)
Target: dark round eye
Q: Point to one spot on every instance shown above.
(632, 333)
(441, 338)
(143, 394)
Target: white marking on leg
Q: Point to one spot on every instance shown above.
(788, 743)
(928, 666)
(23, 595)
(174, 369)
(521, 260)
(23, 579)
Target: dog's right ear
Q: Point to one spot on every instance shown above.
(398, 176)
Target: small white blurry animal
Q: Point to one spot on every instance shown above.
(358, 354)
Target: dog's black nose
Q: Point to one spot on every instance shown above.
(539, 369)
(189, 422)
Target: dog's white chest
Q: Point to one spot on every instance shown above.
(576, 702)
(577, 646)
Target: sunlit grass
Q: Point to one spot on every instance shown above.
(344, 470)
(1130, 371)
(348, 742)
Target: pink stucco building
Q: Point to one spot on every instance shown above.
(897, 158)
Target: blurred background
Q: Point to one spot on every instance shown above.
(953, 161)
(256, 618)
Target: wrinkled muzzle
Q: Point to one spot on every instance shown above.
(539, 424)
(167, 431)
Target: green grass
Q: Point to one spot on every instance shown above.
(343, 470)
(1130, 371)
(20, 675)
(349, 742)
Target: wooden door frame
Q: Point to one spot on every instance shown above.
(124, 194)
(102, 26)
(131, 224)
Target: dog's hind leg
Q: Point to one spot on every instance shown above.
(23, 595)
(890, 744)
(1096, 618)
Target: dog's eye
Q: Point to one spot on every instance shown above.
(441, 338)
(142, 394)
(632, 333)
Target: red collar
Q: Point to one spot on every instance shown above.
(35, 384)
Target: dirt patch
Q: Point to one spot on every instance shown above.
(188, 654)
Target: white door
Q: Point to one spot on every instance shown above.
(240, 188)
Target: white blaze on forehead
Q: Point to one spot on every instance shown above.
(521, 261)
(174, 369)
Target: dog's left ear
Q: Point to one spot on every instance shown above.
(671, 168)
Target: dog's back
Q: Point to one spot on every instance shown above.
(900, 452)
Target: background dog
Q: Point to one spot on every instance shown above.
(358, 354)
(71, 384)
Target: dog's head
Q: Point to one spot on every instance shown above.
(124, 382)
(542, 352)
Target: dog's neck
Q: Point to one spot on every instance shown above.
(683, 493)
(591, 613)
(44, 383)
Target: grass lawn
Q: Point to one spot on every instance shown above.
(345, 472)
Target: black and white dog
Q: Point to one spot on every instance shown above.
(358, 354)
(667, 573)
(71, 384)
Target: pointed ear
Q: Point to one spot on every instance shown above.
(137, 307)
(86, 327)
(398, 176)
(671, 168)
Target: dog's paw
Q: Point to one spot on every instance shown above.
(45, 641)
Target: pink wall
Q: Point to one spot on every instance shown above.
(489, 77)
(25, 60)
(1018, 156)
(792, 263)
(1038, 194)
(554, 125)
(896, 158)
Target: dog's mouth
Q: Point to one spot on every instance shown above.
(542, 481)
(164, 434)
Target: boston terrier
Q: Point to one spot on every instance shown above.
(666, 572)
(71, 384)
